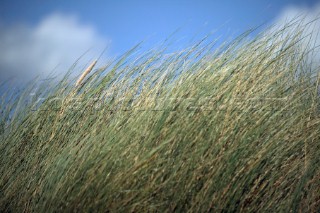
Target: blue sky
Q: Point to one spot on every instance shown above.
(127, 22)
(77, 25)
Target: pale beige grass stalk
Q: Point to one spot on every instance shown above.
(86, 72)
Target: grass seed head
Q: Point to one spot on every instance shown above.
(86, 72)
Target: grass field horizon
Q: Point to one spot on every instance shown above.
(233, 128)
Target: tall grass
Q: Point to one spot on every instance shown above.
(221, 129)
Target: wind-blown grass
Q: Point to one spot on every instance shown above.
(226, 129)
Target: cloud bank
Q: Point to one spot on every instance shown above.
(53, 44)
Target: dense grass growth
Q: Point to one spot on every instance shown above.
(234, 128)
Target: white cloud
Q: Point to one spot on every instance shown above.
(58, 40)
(308, 19)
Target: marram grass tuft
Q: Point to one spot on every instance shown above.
(234, 128)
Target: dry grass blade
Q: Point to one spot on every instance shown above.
(85, 73)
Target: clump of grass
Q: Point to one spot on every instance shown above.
(231, 128)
